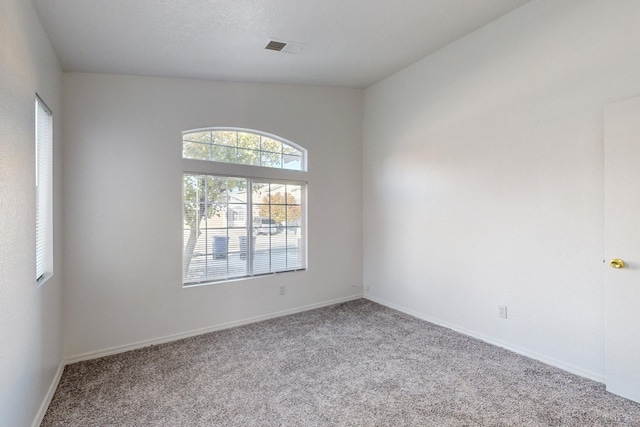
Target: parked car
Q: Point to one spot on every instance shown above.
(263, 225)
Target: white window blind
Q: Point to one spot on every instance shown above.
(44, 191)
(240, 227)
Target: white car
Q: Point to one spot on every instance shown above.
(263, 225)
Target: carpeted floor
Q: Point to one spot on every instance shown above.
(352, 364)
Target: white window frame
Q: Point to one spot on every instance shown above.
(44, 191)
(252, 173)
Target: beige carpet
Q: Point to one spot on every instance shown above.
(352, 364)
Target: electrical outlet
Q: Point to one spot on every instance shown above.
(502, 311)
(366, 288)
(283, 289)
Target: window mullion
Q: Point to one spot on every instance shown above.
(237, 145)
(270, 235)
(205, 200)
(250, 244)
(211, 145)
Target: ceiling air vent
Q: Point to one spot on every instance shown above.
(274, 45)
(286, 47)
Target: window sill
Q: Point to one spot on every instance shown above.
(239, 279)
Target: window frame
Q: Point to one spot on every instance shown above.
(252, 173)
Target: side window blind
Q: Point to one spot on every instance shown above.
(44, 191)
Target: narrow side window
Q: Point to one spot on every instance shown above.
(44, 191)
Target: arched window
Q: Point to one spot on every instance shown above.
(249, 223)
(243, 146)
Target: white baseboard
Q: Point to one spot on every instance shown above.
(48, 397)
(195, 332)
(522, 351)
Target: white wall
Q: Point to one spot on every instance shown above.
(30, 316)
(483, 178)
(123, 183)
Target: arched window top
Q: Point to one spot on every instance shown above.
(243, 146)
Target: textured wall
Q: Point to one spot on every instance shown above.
(483, 178)
(123, 189)
(30, 326)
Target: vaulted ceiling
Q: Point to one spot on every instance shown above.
(350, 43)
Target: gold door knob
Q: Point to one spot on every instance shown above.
(616, 263)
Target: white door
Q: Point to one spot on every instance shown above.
(622, 241)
